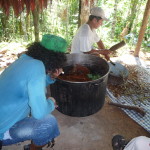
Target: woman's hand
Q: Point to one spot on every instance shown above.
(52, 98)
(55, 73)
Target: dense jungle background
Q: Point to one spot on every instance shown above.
(63, 17)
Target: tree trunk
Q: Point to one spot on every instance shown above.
(92, 3)
(4, 21)
(85, 11)
(21, 30)
(27, 20)
(35, 14)
(134, 4)
(79, 20)
(114, 19)
(142, 29)
(130, 19)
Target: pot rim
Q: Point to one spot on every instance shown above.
(86, 81)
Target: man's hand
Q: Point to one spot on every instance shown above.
(95, 54)
(106, 53)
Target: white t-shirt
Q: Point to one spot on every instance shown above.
(84, 39)
(138, 143)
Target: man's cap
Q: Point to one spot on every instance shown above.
(54, 43)
(99, 12)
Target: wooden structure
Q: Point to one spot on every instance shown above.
(35, 6)
(143, 28)
(19, 5)
(84, 9)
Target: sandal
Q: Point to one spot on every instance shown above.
(27, 147)
(0, 145)
(118, 142)
(51, 143)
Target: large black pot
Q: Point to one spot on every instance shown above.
(82, 98)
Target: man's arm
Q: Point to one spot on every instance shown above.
(101, 50)
(100, 44)
(104, 52)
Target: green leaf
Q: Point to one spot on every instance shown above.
(93, 76)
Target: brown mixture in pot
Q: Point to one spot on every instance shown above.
(77, 73)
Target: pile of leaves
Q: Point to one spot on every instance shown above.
(6, 58)
(137, 85)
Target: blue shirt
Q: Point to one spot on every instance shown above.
(22, 91)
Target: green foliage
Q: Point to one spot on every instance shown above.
(61, 18)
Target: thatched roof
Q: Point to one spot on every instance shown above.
(20, 5)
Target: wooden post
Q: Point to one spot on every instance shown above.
(143, 28)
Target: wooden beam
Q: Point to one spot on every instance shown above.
(142, 29)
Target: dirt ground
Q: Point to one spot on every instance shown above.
(92, 132)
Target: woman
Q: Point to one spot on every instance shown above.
(24, 108)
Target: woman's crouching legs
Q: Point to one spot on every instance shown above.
(39, 131)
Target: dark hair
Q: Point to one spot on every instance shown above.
(52, 60)
(91, 17)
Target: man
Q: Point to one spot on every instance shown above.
(24, 108)
(86, 36)
(137, 143)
